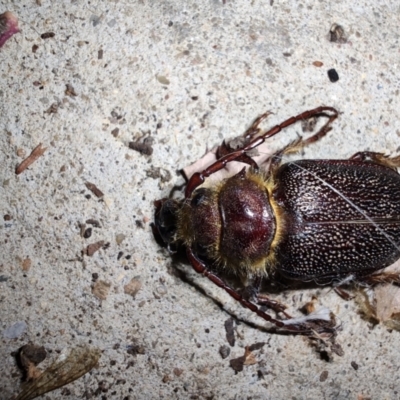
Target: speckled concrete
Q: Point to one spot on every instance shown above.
(186, 74)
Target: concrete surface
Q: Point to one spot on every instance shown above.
(186, 74)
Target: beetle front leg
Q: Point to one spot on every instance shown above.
(254, 129)
(198, 178)
(304, 326)
(252, 293)
(237, 143)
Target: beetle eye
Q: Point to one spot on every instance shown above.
(198, 198)
(201, 250)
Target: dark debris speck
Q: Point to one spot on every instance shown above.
(333, 75)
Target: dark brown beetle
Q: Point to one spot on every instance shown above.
(311, 220)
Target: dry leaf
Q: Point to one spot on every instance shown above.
(133, 287)
(65, 370)
(101, 289)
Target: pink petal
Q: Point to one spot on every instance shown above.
(8, 26)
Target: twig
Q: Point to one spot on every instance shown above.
(36, 153)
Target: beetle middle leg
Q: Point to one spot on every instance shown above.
(294, 147)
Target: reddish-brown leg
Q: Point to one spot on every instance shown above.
(254, 129)
(198, 178)
(344, 294)
(382, 277)
(252, 293)
(275, 305)
(302, 328)
(378, 158)
(237, 143)
(294, 147)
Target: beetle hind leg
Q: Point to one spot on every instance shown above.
(392, 278)
(378, 158)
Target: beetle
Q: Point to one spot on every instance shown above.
(327, 221)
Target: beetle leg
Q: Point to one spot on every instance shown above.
(198, 178)
(383, 277)
(226, 148)
(237, 143)
(302, 326)
(275, 305)
(201, 268)
(252, 293)
(344, 294)
(378, 158)
(294, 147)
(254, 129)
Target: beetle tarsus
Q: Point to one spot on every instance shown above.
(254, 129)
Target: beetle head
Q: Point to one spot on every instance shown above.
(166, 219)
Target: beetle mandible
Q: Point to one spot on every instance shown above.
(309, 220)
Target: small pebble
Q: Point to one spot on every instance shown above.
(15, 331)
(333, 75)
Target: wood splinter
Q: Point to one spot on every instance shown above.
(36, 153)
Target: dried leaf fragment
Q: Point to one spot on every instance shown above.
(70, 91)
(256, 346)
(337, 34)
(382, 304)
(247, 359)
(337, 349)
(323, 376)
(93, 222)
(26, 264)
(133, 287)
(67, 369)
(101, 289)
(94, 189)
(53, 109)
(92, 248)
(8, 26)
(230, 331)
(224, 351)
(29, 356)
(37, 152)
(141, 147)
(310, 306)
